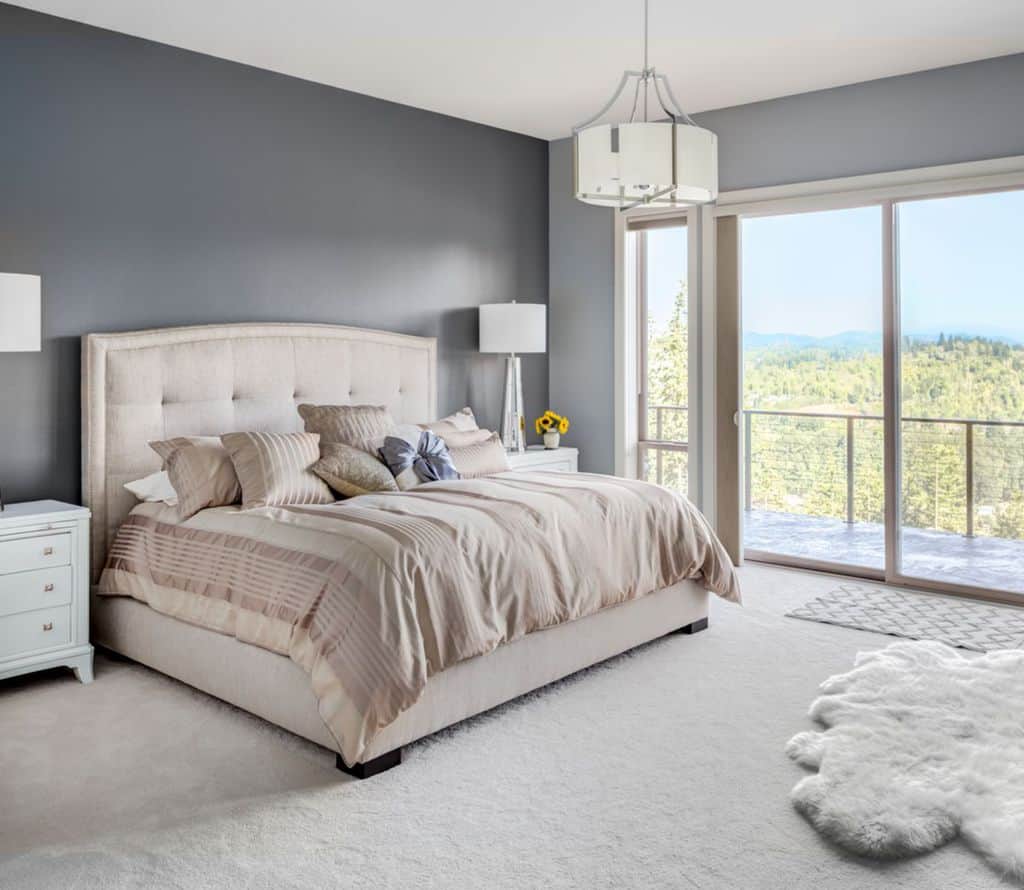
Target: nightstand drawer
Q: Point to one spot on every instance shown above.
(558, 465)
(43, 588)
(32, 631)
(38, 552)
(545, 460)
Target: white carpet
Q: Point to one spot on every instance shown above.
(923, 744)
(664, 769)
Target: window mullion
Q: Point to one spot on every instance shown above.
(641, 291)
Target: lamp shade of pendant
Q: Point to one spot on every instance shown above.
(659, 163)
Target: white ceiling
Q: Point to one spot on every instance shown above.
(540, 66)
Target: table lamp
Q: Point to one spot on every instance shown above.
(20, 317)
(513, 328)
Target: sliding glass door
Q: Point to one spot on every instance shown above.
(961, 384)
(883, 391)
(812, 387)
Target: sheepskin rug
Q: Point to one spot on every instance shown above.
(922, 743)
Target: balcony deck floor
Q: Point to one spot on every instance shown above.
(994, 563)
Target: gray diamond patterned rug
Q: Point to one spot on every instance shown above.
(963, 623)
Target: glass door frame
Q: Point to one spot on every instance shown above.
(823, 204)
(630, 346)
(887, 199)
(645, 441)
(893, 394)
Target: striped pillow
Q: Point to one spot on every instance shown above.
(355, 425)
(274, 468)
(200, 471)
(481, 458)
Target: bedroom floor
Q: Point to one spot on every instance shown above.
(664, 768)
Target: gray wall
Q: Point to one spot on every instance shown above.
(949, 115)
(150, 186)
(581, 320)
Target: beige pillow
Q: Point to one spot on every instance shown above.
(355, 425)
(200, 471)
(275, 468)
(480, 459)
(462, 438)
(462, 421)
(351, 471)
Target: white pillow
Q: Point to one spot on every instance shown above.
(154, 487)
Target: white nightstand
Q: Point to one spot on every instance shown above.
(537, 457)
(44, 589)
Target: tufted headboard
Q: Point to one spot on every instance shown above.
(215, 379)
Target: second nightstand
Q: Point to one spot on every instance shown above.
(537, 457)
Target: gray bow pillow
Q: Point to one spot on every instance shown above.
(411, 465)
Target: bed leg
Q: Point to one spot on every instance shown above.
(371, 767)
(694, 627)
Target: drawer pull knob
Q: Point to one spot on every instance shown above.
(48, 625)
(48, 588)
(47, 551)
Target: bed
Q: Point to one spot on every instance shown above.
(212, 380)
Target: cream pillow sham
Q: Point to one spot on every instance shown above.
(479, 458)
(355, 425)
(275, 469)
(200, 471)
(462, 421)
(462, 438)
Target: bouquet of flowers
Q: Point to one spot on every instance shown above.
(549, 422)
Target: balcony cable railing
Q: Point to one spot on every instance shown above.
(659, 444)
(969, 425)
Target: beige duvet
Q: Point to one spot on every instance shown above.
(373, 595)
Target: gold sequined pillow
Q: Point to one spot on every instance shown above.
(351, 471)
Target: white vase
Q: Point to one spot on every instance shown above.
(551, 438)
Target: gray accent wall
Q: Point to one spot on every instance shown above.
(151, 186)
(949, 115)
(581, 329)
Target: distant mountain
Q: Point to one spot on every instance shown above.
(858, 340)
(989, 332)
(861, 341)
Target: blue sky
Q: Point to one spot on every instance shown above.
(961, 268)
(666, 268)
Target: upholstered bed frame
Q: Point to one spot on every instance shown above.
(216, 379)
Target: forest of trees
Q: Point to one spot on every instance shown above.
(798, 464)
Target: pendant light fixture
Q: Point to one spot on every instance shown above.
(667, 162)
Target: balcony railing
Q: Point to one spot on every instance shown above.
(969, 425)
(658, 443)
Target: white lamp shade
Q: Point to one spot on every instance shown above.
(513, 327)
(657, 163)
(20, 313)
